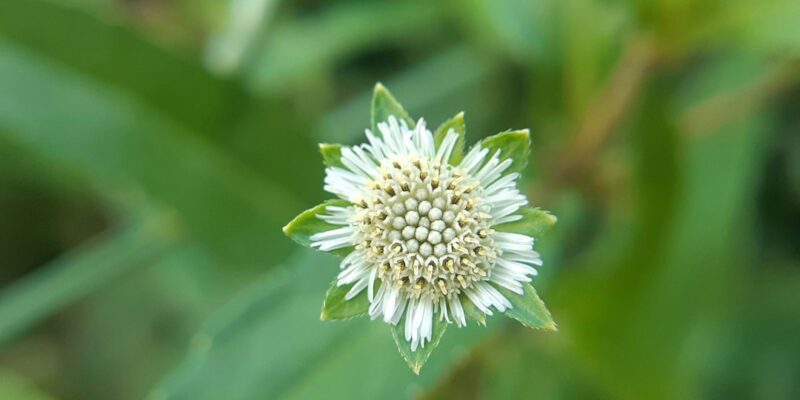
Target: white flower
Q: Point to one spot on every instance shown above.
(421, 229)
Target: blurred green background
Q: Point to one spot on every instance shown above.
(151, 150)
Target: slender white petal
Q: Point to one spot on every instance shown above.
(333, 239)
(477, 300)
(473, 159)
(376, 305)
(338, 215)
(507, 218)
(458, 311)
(356, 289)
(446, 149)
(411, 308)
(443, 313)
(398, 313)
(507, 282)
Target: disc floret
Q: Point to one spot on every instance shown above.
(424, 224)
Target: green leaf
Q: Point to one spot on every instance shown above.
(534, 222)
(122, 58)
(457, 124)
(416, 359)
(472, 312)
(331, 154)
(130, 151)
(528, 308)
(336, 307)
(303, 226)
(14, 386)
(515, 145)
(72, 276)
(313, 46)
(384, 105)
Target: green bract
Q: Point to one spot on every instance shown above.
(507, 153)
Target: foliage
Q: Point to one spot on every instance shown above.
(142, 196)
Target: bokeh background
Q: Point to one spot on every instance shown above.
(151, 150)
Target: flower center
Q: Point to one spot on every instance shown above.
(425, 229)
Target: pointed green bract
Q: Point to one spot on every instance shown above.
(515, 145)
(528, 308)
(384, 105)
(534, 222)
(331, 154)
(416, 359)
(457, 124)
(472, 312)
(337, 307)
(302, 227)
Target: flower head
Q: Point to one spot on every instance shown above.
(430, 237)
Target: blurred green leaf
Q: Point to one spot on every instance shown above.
(125, 147)
(592, 42)
(235, 35)
(85, 269)
(528, 308)
(15, 387)
(158, 306)
(308, 223)
(457, 124)
(602, 301)
(765, 27)
(298, 50)
(385, 105)
(331, 154)
(118, 56)
(534, 222)
(683, 254)
(416, 359)
(527, 30)
(514, 145)
(336, 307)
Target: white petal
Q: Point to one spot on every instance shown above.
(376, 306)
(337, 215)
(443, 310)
(473, 159)
(457, 311)
(398, 312)
(477, 300)
(333, 239)
(446, 148)
(426, 327)
(411, 308)
(492, 296)
(517, 268)
(356, 289)
(529, 256)
(506, 282)
(389, 305)
(506, 182)
(344, 183)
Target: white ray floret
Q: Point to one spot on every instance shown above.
(422, 230)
